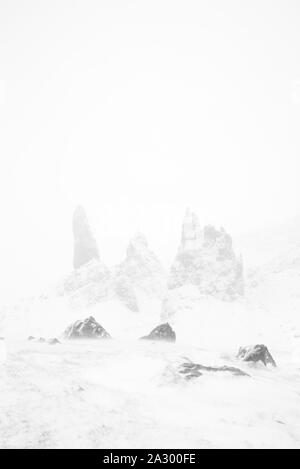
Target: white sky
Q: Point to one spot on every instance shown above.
(137, 109)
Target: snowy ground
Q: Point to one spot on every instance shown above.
(128, 394)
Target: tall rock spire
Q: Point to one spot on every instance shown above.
(85, 246)
(190, 234)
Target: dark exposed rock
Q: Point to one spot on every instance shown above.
(31, 338)
(53, 341)
(87, 329)
(85, 246)
(41, 340)
(192, 370)
(164, 332)
(255, 354)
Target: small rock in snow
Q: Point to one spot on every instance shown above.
(53, 341)
(255, 354)
(164, 332)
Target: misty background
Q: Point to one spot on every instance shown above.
(135, 110)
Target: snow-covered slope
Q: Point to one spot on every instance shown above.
(2, 350)
(84, 394)
(87, 285)
(262, 246)
(116, 394)
(273, 278)
(273, 275)
(49, 317)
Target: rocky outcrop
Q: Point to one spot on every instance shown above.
(255, 354)
(86, 329)
(124, 291)
(164, 332)
(141, 270)
(192, 370)
(85, 246)
(91, 282)
(206, 259)
(88, 285)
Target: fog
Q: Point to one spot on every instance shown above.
(137, 110)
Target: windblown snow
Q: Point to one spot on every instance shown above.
(129, 393)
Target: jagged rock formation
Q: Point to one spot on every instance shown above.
(86, 329)
(164, 332)
(192, 370)
(85, 246)
(140, 273)
(206, 259)
(142, 269)
(255, 354)
(92, 282)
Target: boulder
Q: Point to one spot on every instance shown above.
(255, 354)
(35, 339)
(86, 329)
(53, 341)
(164, 332)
